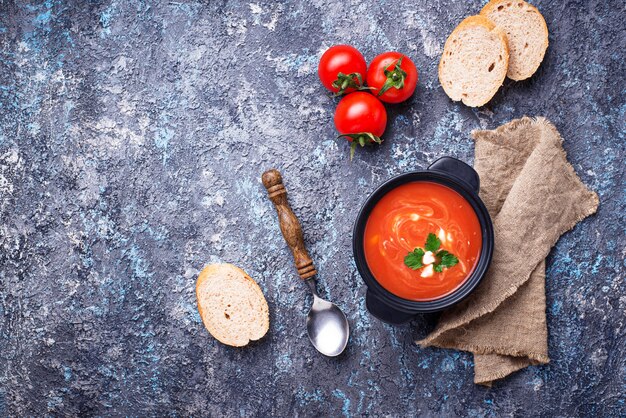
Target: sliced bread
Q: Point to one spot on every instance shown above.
(526, 32)
(474, 61)
(231, 305)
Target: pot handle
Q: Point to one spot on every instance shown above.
(458, 169)
(383, 312)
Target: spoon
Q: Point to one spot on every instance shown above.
(326, 325)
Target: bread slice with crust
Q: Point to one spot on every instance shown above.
(526, 32)
(231, 305)
(474, 61)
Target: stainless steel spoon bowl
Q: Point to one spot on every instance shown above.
(326, 325)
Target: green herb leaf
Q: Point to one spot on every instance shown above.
(413, 260)
(449, 260)
(432, 243)
(445, 259)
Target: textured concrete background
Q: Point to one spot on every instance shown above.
(132, 140)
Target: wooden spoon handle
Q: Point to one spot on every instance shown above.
(289, 224)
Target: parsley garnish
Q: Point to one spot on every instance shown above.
(413, 259)
(432, 243)
(447, 260)
(443, 258)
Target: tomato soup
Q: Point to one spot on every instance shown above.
(401, 222)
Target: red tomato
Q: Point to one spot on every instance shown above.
(392, 76)
(342, 69)
(361, 118)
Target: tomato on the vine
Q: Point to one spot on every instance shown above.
(342, 69)
(361, 118)
(392, 77)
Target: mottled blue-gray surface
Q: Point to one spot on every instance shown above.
(132, 140)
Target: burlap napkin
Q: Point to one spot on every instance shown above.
(533, 196)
